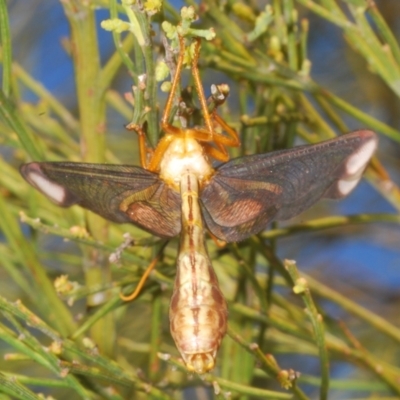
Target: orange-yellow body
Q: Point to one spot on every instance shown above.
(198, 311)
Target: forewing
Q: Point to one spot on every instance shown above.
(119, 193)
(248, 192)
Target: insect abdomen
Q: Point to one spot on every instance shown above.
(198, 311)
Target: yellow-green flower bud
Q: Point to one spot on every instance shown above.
(169, 29)
(115, 25)
(162, 71)
(188, 13)
(165, 86)
(243, 11)
(152, 6)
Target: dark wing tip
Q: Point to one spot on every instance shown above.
(364, 134)
(25, 169)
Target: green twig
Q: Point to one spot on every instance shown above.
(55, 105)
(385, 31)
(50, 304)
(91, 103)
(13, 120)
(267, 361)
(6, 48)
(378, 322)
(228, 385)
(331, 222)
(301, 288)
(11, 386)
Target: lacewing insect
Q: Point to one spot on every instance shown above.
(178, 191)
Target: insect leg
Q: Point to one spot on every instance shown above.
(144, 277)
(199, 89)
(165, 126)
(144, 149)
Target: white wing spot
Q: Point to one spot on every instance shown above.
(55, 192)
(358, 160)
(355, 166)
(345, 187)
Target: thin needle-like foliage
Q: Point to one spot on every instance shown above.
(64, 330)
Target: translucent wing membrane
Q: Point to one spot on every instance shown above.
(120, 193)
(248, 192)
(241, 198)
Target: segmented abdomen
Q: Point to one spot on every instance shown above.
(198, 311)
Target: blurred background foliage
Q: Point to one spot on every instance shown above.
(299, 71)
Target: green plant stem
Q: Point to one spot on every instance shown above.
(30, 347)
(363, 356)
(91, 103)
(116, 101)
(291, 34)
(317, 322)
(260, 75)
(316, 120)
(251, 277)
(331, 222)
(94, 318)
(228, 385)
(10, 263)
(247, 390)
(385, 31)
(332, 114)
(117, 42)
(348, 384)
(50, 305)
(381, 324)
(267, 361)
(232, 38)
(363, 40)
(6, 48)
(28, 380)
(10, 118)
(55, 105)
(115, 62)
(375, 365)
(151, 86)
(155, 335)
(85, 239)
(385, 373)
(11, 386)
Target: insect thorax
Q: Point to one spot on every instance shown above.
(184, 155)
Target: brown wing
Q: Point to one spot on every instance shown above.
(247, 193)
(119, 193)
